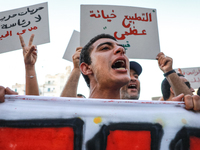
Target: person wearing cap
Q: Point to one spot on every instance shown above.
(132, 89)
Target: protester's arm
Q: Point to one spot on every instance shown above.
(4, 91)
(178, 86)
(30, 57)
(192, 102)
(70, 89)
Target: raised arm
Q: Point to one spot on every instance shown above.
(178, 86)
(70, 89)
(30, 57)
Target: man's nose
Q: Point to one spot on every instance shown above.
(133, 78)
(192, 90)
(119, 49)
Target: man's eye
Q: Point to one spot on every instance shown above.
(136, 77)
(105, 48)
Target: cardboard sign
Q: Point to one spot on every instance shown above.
(35, 122)
(26, 21)
(136, 28)
(74, 42)
(192, 75)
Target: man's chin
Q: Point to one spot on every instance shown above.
(122, 81)
(133, 95)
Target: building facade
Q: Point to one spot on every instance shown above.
(52, 86)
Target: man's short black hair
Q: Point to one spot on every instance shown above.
(87, 49)
(198, 91)
(165, 87)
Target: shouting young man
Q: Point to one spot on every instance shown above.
(105, 67)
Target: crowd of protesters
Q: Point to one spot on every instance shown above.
(108, 74)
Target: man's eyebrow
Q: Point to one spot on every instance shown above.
(136, 74)
(108, 43)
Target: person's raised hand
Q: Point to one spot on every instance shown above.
(76, 57)
(164, 62)
(29, 52)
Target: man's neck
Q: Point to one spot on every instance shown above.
(96, 92)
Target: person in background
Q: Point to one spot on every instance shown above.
(165, 64)
(30, 56)
(167, 90)
(131, 91)
(180, 89)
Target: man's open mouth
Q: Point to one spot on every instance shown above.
(119, 65)
(132, 86)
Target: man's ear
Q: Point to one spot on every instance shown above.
(85, 69)
(171, 90)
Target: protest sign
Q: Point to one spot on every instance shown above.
(36, 122)
(25, 21)
(192, 75)
(74, 42)
(134, 27)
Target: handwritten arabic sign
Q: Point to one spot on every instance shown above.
(192, 75)
(134, 27)
(26, 21)
(74, 42)
(93, 124)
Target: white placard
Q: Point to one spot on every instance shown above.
(165, 121)
(192, 75)
(26, 21)
(74, 42)
(136, 28)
